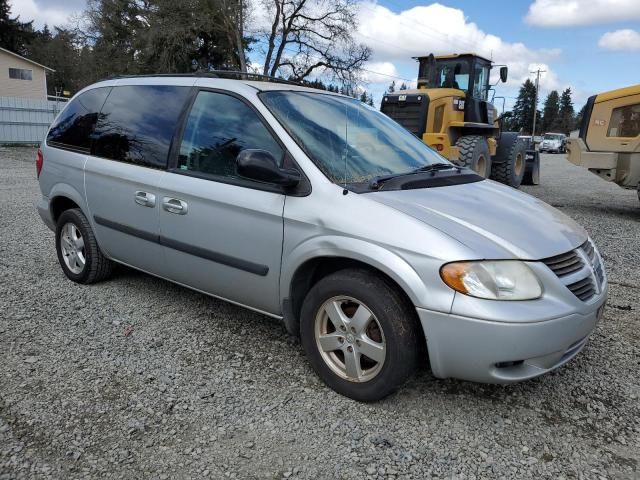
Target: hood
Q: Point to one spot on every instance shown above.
(493, 220)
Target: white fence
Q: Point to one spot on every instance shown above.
(25, 120)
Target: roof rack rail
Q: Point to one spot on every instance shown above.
(230, 74)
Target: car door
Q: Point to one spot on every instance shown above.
(122, 175)
(222, 233)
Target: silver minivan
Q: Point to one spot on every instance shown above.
(313, 208)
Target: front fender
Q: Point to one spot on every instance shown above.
(356, 249)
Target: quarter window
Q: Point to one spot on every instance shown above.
(137, 123)
(75, 125)
(625, 121)
(20, 74)
(219, 127)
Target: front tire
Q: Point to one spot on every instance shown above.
(474, 154)
(78, 252)
(360, 334)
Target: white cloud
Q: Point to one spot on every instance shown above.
(395, 37)
(560, 13)
(51, 15)
(626, 39)
(381, 72)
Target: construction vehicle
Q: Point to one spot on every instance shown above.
(608, 143)
(451, 112)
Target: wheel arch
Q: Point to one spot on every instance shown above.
(62, 197)
(316, 263)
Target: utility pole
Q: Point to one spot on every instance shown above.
(535, 103)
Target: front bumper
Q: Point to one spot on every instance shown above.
(503, 352)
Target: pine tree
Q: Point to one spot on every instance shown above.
(578, 122)
(550, 116)
(524, 107)
(567, 119)
(403, 86)
(392, 87)
(370, 100)
(14, 34)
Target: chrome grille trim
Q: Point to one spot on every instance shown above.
(575, 270)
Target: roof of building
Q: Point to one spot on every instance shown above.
(26, 59)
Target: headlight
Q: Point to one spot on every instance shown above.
(494, 280)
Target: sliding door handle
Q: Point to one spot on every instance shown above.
(174, 205)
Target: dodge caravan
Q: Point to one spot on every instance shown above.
(313, 208)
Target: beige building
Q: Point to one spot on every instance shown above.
(21, 77)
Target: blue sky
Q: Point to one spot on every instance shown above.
(588, 45)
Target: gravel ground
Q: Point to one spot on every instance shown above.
(138, 378)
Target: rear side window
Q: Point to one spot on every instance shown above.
(73, 128)
(137, 123)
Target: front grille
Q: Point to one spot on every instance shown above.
(583, 289)
(564, 264)
(579, 270)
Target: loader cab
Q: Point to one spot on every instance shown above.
(466, 72)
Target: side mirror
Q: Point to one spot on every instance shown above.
(504, 71)
(260, 165)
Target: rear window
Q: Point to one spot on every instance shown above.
(73, 128)
(137, 123)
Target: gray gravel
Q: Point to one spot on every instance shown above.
(139, 378)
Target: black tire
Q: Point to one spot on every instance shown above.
(96, 267)
(532, 173)
(398, 329)
(474, 154)
(509, 164)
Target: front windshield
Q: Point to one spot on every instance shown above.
(453, 74)
(553, 137)
(348, 141)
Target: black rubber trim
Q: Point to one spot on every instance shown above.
(586, 118)
(216, 257)
(135, 232)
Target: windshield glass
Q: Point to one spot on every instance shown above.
(349, 141)
(553, 137)
(453, 74)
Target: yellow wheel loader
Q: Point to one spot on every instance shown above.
(450, 112)
(608, 143)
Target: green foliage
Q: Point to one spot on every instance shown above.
(550, 116)
(567, 117)
(524, 107)
(14, 34)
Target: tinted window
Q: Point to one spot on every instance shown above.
(137, 122)
(218, 128)
(73, 128)
(625, 121)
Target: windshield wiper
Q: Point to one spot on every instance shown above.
(376, 182)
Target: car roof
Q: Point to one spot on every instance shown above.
(204, 80)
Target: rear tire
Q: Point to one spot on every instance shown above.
(78, 252)
(474, 154)
(349, 315)
(509, 164)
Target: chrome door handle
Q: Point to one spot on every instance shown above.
(174, 205)
(145, 199)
